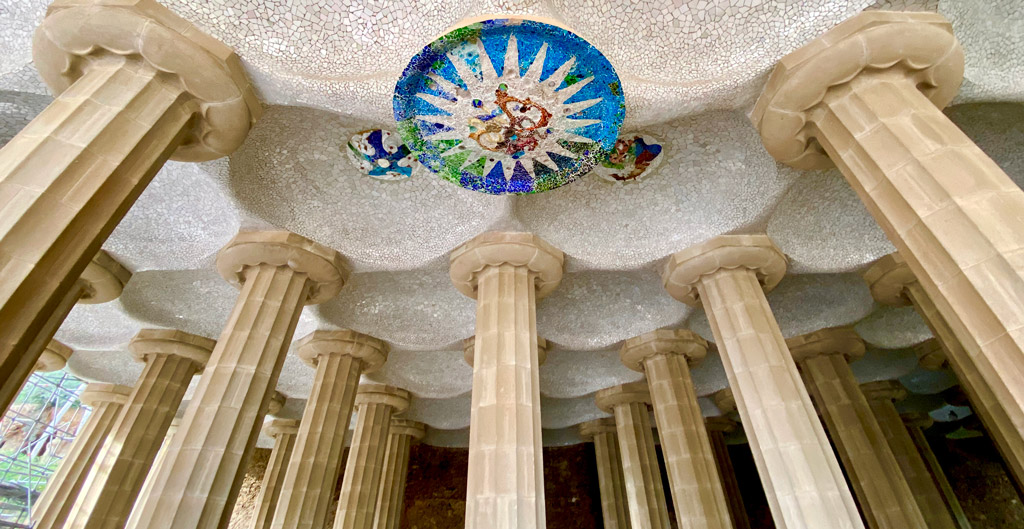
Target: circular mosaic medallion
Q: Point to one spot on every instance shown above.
(509, 106)
(633, 157)
(381, 154)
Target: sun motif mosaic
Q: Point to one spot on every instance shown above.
(509, 106)
(633, 157)
(381, 154)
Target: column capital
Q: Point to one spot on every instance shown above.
(416, 430)
(99, 392)
(103, 279)
(918, 419)
(276, 402)
(720, 424)
(371, 351)
(755, 252)
(888, 279)
(724, 400)
(930, 355)
(469, 349)
(397, 398)
(171, 342)
(918, 46)
(882, 390)
(278, 427)
(834, 340)
(78, 33)
(663, 342)
(588, 430)
(630, 393)
(53, 358)
(513, 248)
(326, 268)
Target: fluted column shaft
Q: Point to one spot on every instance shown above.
(390, 499)
(730, 485)
(147, 485)
(284, 433)
(648, 508)
(914, 428)
(614, 505)
(64, 486)
(801, 477)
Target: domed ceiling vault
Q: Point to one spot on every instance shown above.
(690, 72)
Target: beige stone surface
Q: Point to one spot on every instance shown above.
(665, 355)
(390, 500)
(340, 358)
(284, 432)
(375, 405)
(867, 96)
(915, 423)
(147, 486)
(172, 358)
(717, 427)
(506, 273)
(802, 480)
(53, 358)
(611, 482)
(144, 85)
(885, 497)
(207, 457)
(881, 396)
(629, 403)
(65, 485)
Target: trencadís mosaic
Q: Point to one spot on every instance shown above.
(633, 157)
(381, 154)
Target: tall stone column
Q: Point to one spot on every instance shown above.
(390, 500)
(717, 428)
(135, 85)
(64, 486)
(506, 273)
(880, 397)
(339, 357)
(629, 403)
(147, 486)
(802, 480)
(893, 283)
(614, 505)
(916, 422)
(279, 272)
(884, 494)
(284, 432)
(375, 404)
(664, 356)
(172, 358)
(867, 96)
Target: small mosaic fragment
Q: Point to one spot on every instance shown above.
(381, 154)
(632, 158)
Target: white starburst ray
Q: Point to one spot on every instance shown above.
(537, 66)
(445, 135)
(580, 123)
(490, 77)
(511, 67)
(447, 86)
(571, 90)
(441, 103)
(558, 75)
(462, 68)
(572, 109)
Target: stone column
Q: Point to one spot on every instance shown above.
(614, 506)
(802, 480)
(147, 486)
(339, 357)
(884, 494)
(880, 397)
(64, 486)
(401, 434)
(915, 423)
(717, 428)
(172, 358)
(279, 272)
(664, 356)
(135, 85)
(53, 358)
(375, 404)
(629, 403)
(867, 96)
(893, 283)
(506, 273)
(283, 431)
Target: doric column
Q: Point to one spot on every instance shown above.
(802, 480)
(884, 494)
(64, 486)
(881, 395)
(867, 96)
(629, 403)
(102, 281)
(614, 505)
(172, 358)
(664, 356)
(401, 434)
(375, 405)
(284, 432)
(717, 428)
(916, 422)
(147, 486)
(339, 357)
(893, 283)
(135, 85)
(53, 358)
(279, 272)
(506, 273)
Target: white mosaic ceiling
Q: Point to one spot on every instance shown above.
(691, 70)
